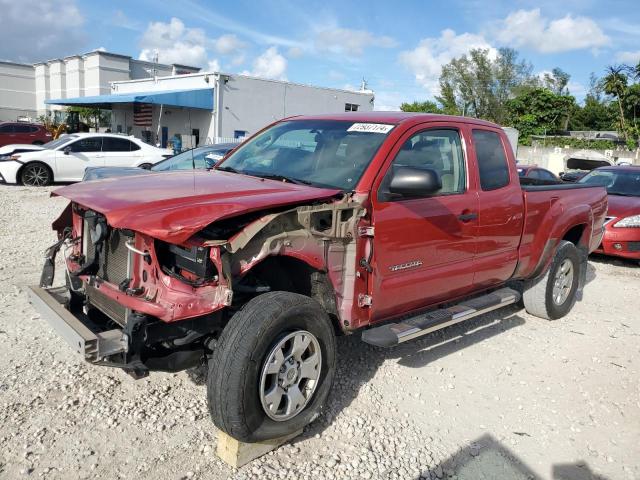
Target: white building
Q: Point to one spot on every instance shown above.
(24, 88)
(210, 107)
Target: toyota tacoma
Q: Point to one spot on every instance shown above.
(391, 224)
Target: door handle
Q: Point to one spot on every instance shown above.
(467, 217)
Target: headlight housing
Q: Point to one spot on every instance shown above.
(632, 221)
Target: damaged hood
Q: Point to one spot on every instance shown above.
(173, 206)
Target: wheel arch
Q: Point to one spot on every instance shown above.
(293, 274)
(31, 162)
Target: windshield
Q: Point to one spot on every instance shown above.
(326, 153)
(623, 182)
(184, 160)
(60, 141)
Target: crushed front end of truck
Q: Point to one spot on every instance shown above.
(144, 304)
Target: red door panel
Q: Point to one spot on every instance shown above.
(423, 253)
(501, 209)
(423, 249)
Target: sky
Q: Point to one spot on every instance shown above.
(398, 47)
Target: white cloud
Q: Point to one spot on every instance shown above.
(37, 30)
(174, 43)
(427, 59)
(350, 42)
(528, 28)
(213, 66)
(628, 57)
(269, 65)
(227, 44)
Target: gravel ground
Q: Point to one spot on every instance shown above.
(504, 396)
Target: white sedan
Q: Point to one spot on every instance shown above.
(65, 159)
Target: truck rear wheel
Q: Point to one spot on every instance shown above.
(272, 368)
(553, 294)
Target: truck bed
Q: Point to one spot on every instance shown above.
(551, 210)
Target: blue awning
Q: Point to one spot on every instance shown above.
(199, 98)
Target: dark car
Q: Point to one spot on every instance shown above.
(200, 158)
(22, 132)
(535, 172)
(579, 166)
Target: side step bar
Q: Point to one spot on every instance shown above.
(392, 334)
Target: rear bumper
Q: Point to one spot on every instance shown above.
(74, 327)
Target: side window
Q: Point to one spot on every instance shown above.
(6, 128)
(535, 173)
(112, 144)
(85, 145)
(33, 129)
(545, 175)
(492, 161)
(439, 150)
(22, 129)
(133, 146)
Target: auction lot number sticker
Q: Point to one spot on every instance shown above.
(370, 127)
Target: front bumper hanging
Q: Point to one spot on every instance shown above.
(75, 328)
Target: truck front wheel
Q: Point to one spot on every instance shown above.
(553, 294)
(272, 368)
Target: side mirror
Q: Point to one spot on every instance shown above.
(67, 150)
(414, 182)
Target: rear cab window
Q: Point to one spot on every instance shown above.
(492, 160)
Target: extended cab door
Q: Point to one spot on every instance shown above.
(75, 157)
(501, 207)
(424, 247)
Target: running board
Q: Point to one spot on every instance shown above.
(392, 334)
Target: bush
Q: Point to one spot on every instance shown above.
(573, 142)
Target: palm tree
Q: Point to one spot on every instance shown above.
(615, 84)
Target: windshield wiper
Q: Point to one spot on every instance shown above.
(277, 176)
(227, 169)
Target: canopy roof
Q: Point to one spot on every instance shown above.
(198, 98)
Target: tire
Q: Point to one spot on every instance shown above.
(540, 298)
(239, 367)
(36, 174)
(146, 166)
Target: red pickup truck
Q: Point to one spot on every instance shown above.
(391, 223)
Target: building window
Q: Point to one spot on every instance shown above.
(239, 133)
(350, 107)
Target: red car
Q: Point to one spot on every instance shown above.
(315, 226)
(25, 133)
(535, 172)
(622, 225)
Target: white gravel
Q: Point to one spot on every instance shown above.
(505, 396)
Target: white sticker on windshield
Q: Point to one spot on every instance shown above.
(370, 127)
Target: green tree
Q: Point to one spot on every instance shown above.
(478, 85)
(426, 107)
(95, 117)
(557, 81)
(538, 112)
(615, 84)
